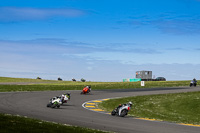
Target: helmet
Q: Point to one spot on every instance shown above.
(88, 86)
(130, 103)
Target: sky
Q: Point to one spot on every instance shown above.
(99, 40)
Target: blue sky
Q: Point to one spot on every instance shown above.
(99, 40)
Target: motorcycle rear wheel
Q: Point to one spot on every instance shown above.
(123, 113)
(113, 113)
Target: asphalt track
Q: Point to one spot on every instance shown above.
(33, 104)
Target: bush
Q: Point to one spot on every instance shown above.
(74, 79)
(59, 79)
(83, 80)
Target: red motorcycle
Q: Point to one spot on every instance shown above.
(86, 90)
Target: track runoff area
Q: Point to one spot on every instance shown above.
(92, 106)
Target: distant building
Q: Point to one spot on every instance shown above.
(144, 75)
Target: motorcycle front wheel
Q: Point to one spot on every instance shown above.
(49, 105)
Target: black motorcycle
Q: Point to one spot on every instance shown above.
(192, 83)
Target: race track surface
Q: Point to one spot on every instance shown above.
(33, 104)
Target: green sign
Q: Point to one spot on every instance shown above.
(131, 80)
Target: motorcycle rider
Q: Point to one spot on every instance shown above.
(65, 97)
(54, 102)
(130, 104)
(120, 105)
(87, 89)
(193, 82)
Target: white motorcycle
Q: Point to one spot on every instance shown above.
(54, 102)
(122, 110)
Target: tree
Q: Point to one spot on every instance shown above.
(38, 78)
(73, 79)
(59, 79)
(83, 80)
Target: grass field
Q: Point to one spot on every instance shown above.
(44, 85)
(10, 124)
(179, 108)
(9, 79)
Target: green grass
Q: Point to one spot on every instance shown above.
(7, 88)
(69, 85)
(9, 79)
(179, 108)
(10, 124)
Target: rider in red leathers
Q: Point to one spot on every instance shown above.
(86, 89)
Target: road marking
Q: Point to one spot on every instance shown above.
(97, 101)
(105, 99)
(91, 103)
(189, 125)
(90, 106)
(147, 119)
(97, 109)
